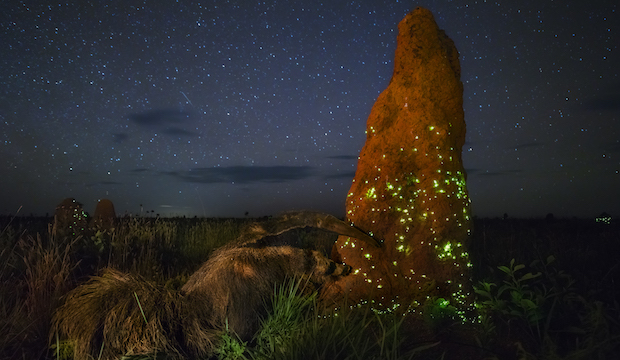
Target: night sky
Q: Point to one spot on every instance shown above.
(218, 108)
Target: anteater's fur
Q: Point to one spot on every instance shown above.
(237, 280)
(117, 314)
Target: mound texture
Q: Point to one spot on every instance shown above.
(409, 188)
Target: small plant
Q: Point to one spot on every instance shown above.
(524, 300)
(515, 297)
(230, 346)
(438, 312)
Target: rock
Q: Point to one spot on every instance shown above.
(70, 219)
(105, 216)
(409, 188)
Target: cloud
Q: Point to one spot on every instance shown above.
(244, 174)
(160, 117)
(346, 174)
(103, 183)
(175, 131)
(167, 121)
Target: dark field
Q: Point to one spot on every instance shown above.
(558, 298)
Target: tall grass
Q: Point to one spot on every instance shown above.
(531, 307)
(34, 275)
(38, 268)
(156, 248)
(299, 327)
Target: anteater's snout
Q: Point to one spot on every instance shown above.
(338, 269)
(346, 270)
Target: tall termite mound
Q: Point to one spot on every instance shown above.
(409, 188)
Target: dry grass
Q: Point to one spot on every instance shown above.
(34, 277)
(118, 313)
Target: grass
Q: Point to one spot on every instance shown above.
(299, 327)
(546, 289)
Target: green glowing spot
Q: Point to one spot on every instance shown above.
(431, 128)
(443, 302)
(367, 256)
(371, 193)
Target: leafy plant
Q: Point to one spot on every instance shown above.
(549, 317)
(515, 297)
(230, 347)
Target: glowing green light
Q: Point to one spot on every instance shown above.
(371, 193)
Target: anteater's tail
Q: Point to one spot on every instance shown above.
(118, 314)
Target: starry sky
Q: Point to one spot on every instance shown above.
(218, 108)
